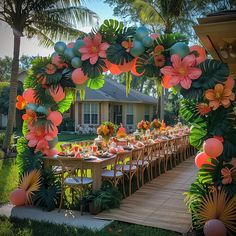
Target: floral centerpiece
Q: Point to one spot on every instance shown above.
(106, 130)
(121, 136)
(143, 126)
(156, 124)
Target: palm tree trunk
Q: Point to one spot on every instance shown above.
(13, 92)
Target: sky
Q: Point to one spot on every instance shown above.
(30, 46)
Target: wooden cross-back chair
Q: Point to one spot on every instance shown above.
(159, 159)
(150, 158)
(70, 179)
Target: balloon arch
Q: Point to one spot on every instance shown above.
(205, 85)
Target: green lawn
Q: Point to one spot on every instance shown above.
(16, 227)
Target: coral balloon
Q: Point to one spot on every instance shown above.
(55, 117)
(78, 76)
(133, 69)
(126, 66)
(214, 227)
(57, 93)
(201, 53)
(229, 83)
(18, 197)
(29, 95)
(213, 147)
(201, 159)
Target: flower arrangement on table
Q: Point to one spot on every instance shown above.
(156, 124)
(121, 136)
(143, 126)
(106, 130)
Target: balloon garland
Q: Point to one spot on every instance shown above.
(205, 84)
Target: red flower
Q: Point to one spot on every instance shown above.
(203, 108)
(21, 102)
(159, 60)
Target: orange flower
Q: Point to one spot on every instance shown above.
(127, 44)
(227, 178)
(220, 138)
(220, 95)
(158, 50)
(159, 60)
(203, 108)
(29, 116)
(21, 102)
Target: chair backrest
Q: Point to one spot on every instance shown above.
(137, 155)
(122, 158)
(70, 168)
(148, 152)
(156, 149)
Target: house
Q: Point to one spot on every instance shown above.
(110, 103)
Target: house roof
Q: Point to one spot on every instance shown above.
(113, 91)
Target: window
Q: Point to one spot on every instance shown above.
(129, 114)
(147, 113)
(91, 113)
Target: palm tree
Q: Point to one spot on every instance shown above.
(48, 20)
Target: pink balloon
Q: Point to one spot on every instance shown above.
(78, 76)
(29, 95)
(214, 227)
(70, 45)
(57, 93)
(18, 197)
(201, 159)
(55, 117)
(154, 36)
(213, 147)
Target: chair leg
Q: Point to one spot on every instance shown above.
(148, 171)
(130, 185)
(123, 183)
(137, 178)
(61, 200)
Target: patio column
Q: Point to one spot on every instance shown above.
(104, 112)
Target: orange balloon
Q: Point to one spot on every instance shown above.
(55, 117)
(201, 159)
(57, 93)
(133, 69)
(18, 197)
(29, 95)
(213, 147)
(126, 67)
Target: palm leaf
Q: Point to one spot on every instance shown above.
(65, 104)
(96, 83)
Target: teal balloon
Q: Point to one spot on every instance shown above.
(147, 41)
(76, 62)
(31, 106)
(180, 48)
(78, 44)
(43, 110)
(137, 49)
(69, 54)
(141, 32)
(53, 143)
(60, 47)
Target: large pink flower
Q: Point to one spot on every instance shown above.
(93, 49)
(182, 71)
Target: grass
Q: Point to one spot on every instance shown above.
(8, 178)
(17, 227)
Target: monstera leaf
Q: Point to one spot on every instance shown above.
(168, 40)
(188, 110)
(145, 64)
(93, 71)
(192, 93)
(229, 150)
(198, 132)
(96, 83)
(117, 54)
(213, 72)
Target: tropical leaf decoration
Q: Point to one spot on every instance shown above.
(188, 110)
(27, 160)
(25, 128)
(49, 192)
(229, 150)
(93, 71)
(96, 83)
(198, 132)
(30, 182)
(117, 54)
(168, 40)
(65, 104)
(128, 79)
(217, 205)
(192, 93)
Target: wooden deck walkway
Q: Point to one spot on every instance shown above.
(159, 203)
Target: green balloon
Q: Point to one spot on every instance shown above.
(31, 106)
(43, 110)
(76, 62)
(53, 143)
(137, 49)
(147, 41)
(180, 48)
(69, 54)
(78, 44)
(141, 32)
(60, 47)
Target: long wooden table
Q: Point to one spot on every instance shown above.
(96, 165)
